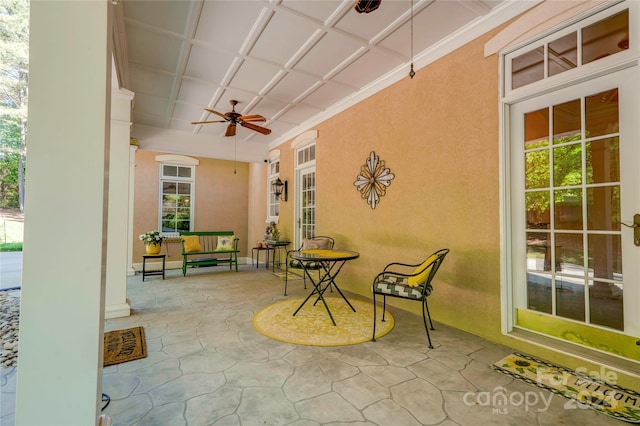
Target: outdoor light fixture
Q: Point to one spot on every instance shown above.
(280, 189)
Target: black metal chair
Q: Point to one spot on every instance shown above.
(413, 285)
(317, 243)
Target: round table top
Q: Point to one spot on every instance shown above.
(319, 255)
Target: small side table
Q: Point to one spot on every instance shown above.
(278, 247)
(255, 252)
(146, 273)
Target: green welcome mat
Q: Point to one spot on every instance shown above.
(583, 389)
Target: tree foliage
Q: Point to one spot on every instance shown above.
(14, 81)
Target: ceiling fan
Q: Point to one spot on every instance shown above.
(235, 118)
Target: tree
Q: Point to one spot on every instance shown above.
(14, 80)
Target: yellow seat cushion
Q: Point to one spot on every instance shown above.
(422, 277)
(191, 243)
(225, 243)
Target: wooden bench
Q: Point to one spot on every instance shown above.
(200, 254)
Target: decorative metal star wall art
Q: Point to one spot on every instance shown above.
(373, 180)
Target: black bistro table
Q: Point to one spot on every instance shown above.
(331, 263)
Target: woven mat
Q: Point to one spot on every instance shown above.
(587, 391)
(312, 325)
(124, 345)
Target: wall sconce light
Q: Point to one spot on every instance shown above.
(280, 189)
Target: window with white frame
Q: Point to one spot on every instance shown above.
(273, 207)
(176, 198)
(568, 49)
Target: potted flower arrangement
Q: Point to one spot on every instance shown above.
(272, 232)
(153, 241)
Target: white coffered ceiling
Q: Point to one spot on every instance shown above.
(296, 62)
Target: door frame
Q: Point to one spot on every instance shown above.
(612, 64)
(301, 142)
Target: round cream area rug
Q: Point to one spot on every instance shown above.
(312, 325)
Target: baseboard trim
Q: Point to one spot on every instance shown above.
(625, 366)
(117, 311)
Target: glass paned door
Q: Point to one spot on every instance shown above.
(306, 204)
(574, 155)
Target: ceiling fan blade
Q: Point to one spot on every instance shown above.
(231, 129)
(255, 117)
(256, 128)
(207, 122)
(216, 113)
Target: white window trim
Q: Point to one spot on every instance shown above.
(177, 160)
(303, 139)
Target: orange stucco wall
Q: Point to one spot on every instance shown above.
(221, 200)
(438, 133)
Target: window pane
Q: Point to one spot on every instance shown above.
(169, 170)
(605, 256)
(605, 37)
(563, 54)
(567, 165)
(538, 251)
(568, 209)
(602, 113)
(603, 208)
(184, 188)
(184, 172)
(569, 253)
(603, 161)
(539, 292)
(167, 226)
(527, 68)
(570, 298)
(569, 290)
(605, 300)
(537, 208)
(566, 122)
(536, 169)
(169, 187)
(536, 129)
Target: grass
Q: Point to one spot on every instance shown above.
(11, 235)
(11, 246)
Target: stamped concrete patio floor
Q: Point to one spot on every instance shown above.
(207, 365)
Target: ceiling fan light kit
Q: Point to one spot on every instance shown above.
(234, 118)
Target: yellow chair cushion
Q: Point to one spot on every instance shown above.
(191, 243)
(225, 243)
(422, 277)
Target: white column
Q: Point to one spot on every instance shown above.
(132, 183)
(59, 378)
(116, 303)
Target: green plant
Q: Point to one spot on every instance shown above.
(151, 237)
(11, 247)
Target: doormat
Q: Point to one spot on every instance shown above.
(587, 391)
(124, 345)
(283, 276)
